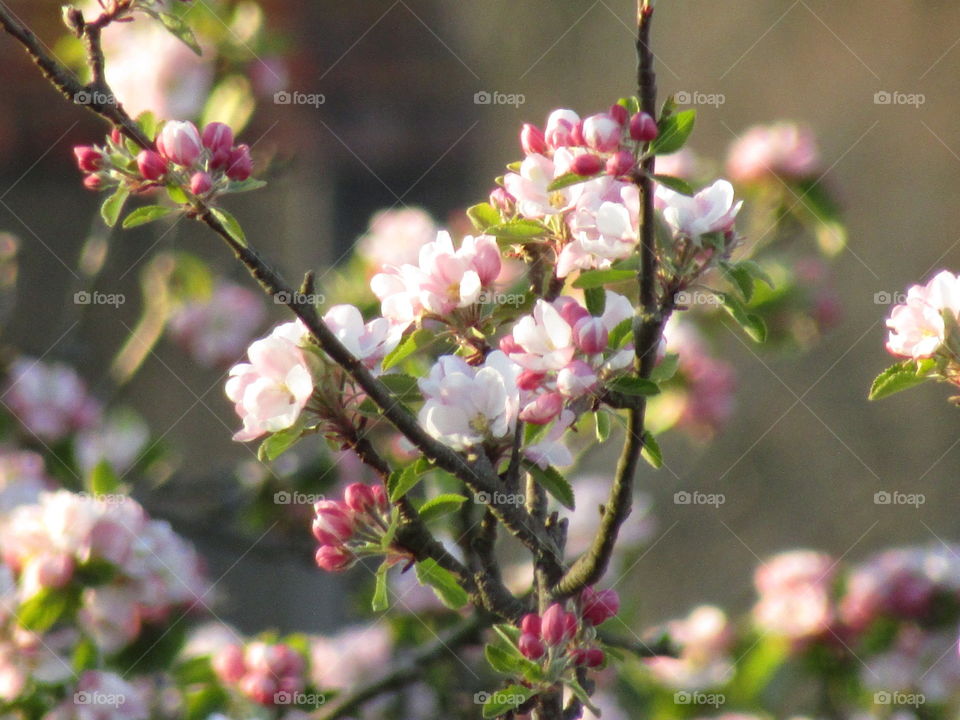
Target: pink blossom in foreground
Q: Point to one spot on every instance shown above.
(49, 399)
(368, 342)
(713, 209)
(179, 142)
(795, 591)
(604, 224)
(917, 328)
(394, 237)
(270, 391)
(783, 149)
(529, 186)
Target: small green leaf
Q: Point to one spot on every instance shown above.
(242, 186)
(176, 193)
(601, 420)
(441, 505)
(596, 299)
(651, 451)
(509, 633)
(666, 368)
(501, 660)
(444, 584)
(276, 444)
(632, 104)
(676, 184)
(599, 278)
(180, 30)
(741, 279)
(483, 216)
(113, 205)
(103, 480)
(620, 334)
(403, 481)
(417, 340)
(568, 179)
(554, 483)
(149, 124)
(144, 215)
(403, 386)
(194, 670)
(41, 612)
(518, 230)
(380, 596)
(630, 385)
(753, 325)
(230, 224)
(503, 701)
(899, 377)
(675, 130)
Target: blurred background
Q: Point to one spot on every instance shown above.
(401, 124)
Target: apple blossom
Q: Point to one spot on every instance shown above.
(217, 138)
(560, 126)
(239, 163)
(530, 186)
(917, 327)
(643, 128)
(602, 132)
(605, 226)
(713, 209)
(795, 594)
(368, 342)
(783, 149)
(200, 183)
(89, 159)
(394, 237)
(532, 140)
(49, 400)
(151, 165)
(557, 625)
(179, 142)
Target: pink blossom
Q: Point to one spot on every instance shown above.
(342, 661)
(394, 237)
(713, 209)
(602, 132)
(50, 400)
(368, 342)
(106, 696)
(643, 128)
(917, 327)
(705, 638)
(557, 625)
(783, 149)
(179, 142)
(604, 225)
(560, 127)
(546, 339)
(529, 186)
(272, 389)
(551, 450)
(795, 594)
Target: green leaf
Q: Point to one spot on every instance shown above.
(503, 701)
(621, 333)
(601, 420)
(194, 670)
(41, 612)
(441, 505)
(741, 279)
(554, 483)
(113, 205)
(599, 278)
(180, 30)
(501, 660)
(230, 224)
(242, 186)
(899, 377)
(651, 451)
(444, 584)
(380, 597)
(149, 124)
(674, 132)
(632, 104)
(676, 184)
(757, 272)
(403, 386)
(483, 216)
(85, 656)
(509, 633)
(666, 368)
(630, 385)
(176, 193)
(144, 215)
(103, 480)
(752, 324)
(277, 443)
(596, 299)
(403, 481)
(204, 702)
(568, 179)
(417, 340)
(518, 230)
(582, 696)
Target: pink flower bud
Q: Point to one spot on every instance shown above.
(586, 165)
(333, 523)
(115, 136)
(593, 657)
(619, 113)
(502, 200)
(89, 159)
(531, 646)
(179, 142)
(570, 310)
(218, 139)
(333, 558)
(643, 128)
(560, 126)
(530, 380)
(151, 165)
(93, 182)
(591, 335)
(578, 656)
(602, 133)
(241, 164)
(359, 497)
(200, 183)
(530, 624)
(621, 163)
(259, 687)
(542, 410)
(486, 261)
(380, 498)
(532, 140)
(228, 664)
(576, 379)
(557, 625)
(509, 346)
(576, 135)
(599, 606)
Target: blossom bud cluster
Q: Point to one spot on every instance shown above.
(261, 670)
(350, 527)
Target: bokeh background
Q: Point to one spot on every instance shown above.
(805, 452)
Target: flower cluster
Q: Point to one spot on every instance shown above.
(351, 527)
(125, 569)
(783, 149)
(262, 672)
(205, 164)
(796, 598)
(49, 399)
